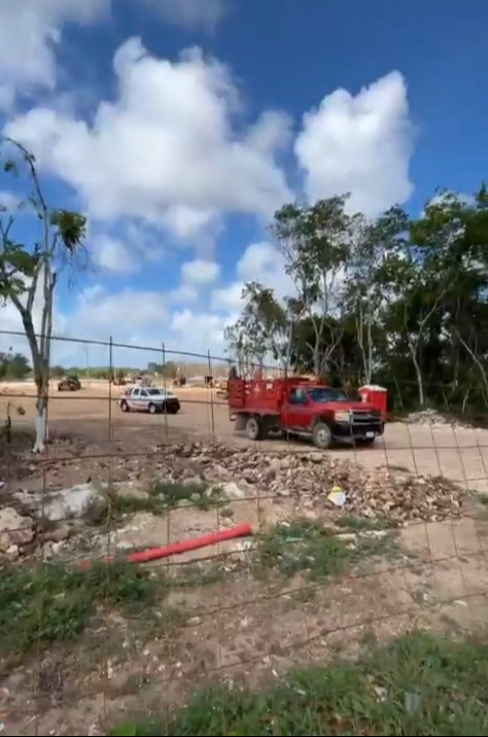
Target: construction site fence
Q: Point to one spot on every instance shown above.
(77, 656)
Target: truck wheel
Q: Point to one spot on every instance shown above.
(253, 428)
(124, 406)
(152, 409)
(322, 436)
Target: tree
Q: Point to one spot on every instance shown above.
(400, 301)
(365, 295)
(168, 370)
(262, 330)
(316, 241)
(13, 366)
(25, 269)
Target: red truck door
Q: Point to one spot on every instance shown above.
(295, 412)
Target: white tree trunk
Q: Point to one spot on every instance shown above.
(418, 374)
(40, 425)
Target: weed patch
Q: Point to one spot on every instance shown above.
(363, 524)
(173, 494)
(304, 547)
(420, 685)
(53, 603)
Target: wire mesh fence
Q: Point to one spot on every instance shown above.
(125, 596)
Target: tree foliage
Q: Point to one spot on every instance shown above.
(168, 370)
(13, 366)
(395, 300)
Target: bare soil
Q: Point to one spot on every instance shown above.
(236, 626)
(458, 453)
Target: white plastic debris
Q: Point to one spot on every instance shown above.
(337, 496)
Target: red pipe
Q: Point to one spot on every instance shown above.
(184, 545)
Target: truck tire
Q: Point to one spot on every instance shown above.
(254, 429)
(152, 409)
(322, 436)
(124, 406)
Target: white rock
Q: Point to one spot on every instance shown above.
(78, 501)
(14, 529)
(232, 491)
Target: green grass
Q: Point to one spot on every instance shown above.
(364, 524)
(420, 685)
(174, 493)
(55, 603)
(308, 548)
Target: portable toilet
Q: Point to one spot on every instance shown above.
(375, 395)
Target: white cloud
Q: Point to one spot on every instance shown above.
(361, 145)
(228, 298)
(184, 294)
(200, 271)
(112, 255)
(122, 313)
(30, 32)
(260, 262)
(174, 153)
(9, 202)
(165, 150)
(207, 326)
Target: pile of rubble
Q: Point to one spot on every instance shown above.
(309, 480)
(434, 418)
(382, 492)
(31, 518)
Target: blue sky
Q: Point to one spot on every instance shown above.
(179, 126)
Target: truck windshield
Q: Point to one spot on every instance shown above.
(325, 394)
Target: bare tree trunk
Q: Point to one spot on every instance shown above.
(418, 373)
(366, 350)
(42, 377)
(369, 371)
(465, 400)
(40, 423)
(476, 361)
(316, 363)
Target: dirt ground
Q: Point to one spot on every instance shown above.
(458, 453)
(239, 627)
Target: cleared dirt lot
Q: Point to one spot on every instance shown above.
(312, 583)
(459, 453)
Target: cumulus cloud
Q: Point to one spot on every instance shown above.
(260, 262)
(111, 254)
(30, 33)
(359, 144)
(173, 153)
(165, 151)
(200, 271)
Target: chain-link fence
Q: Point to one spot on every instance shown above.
(162, 574)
